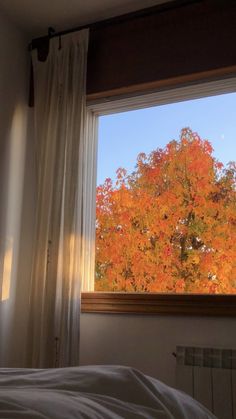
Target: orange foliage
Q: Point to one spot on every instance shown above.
(170, 226)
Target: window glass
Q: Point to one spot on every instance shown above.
(166, 199)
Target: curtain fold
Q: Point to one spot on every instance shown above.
(60, 153)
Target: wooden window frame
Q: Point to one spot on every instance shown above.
(162, 304)
(155, 303)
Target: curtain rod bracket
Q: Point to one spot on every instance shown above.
(51, 31)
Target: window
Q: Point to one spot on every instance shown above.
(167, 225)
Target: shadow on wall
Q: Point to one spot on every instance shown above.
(6, 269)
(13, 135)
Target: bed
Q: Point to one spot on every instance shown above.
(97, 392)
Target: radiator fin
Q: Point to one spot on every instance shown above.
(184, 378)
(222, 393)
(234, 393)
(202, 386)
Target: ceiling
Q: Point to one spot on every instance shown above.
(35, 16)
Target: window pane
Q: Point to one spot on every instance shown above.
(166, 199)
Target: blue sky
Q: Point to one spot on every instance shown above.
(124, 135)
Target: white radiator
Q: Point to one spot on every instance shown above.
(209, 376)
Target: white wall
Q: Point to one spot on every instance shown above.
(14, 76)
(147, 342)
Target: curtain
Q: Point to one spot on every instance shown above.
(62, 159)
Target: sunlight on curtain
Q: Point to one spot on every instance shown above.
(61, 160)
(89, 213)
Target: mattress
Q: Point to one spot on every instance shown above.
(99, 392)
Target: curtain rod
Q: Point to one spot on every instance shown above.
(164, 7)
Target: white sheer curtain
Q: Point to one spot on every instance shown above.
(64, 160)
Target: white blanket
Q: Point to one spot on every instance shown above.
(97, 392)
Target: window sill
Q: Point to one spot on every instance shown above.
(166, 304)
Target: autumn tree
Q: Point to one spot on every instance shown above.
(170, 226)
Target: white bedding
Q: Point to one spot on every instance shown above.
(97, 392)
